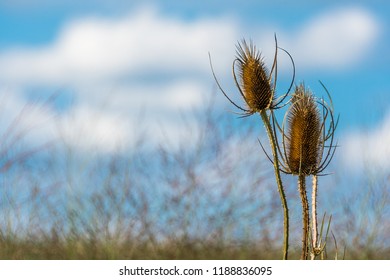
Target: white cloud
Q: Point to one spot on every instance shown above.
(102, 60)
(98, 49)
(176, 95)
(94, 49)
(334, 39)
(87, 129)
(115, 119)
(369, 148)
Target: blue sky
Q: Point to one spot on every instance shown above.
(113, 59)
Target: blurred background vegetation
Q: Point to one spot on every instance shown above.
(211, 197)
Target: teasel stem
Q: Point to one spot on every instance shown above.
(314, 216)
(279, 183)
(305, 216)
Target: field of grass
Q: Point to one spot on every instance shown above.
(213, 198)
(52, 248)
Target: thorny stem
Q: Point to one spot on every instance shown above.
(314, 216)
(305, 216)
(272, 140)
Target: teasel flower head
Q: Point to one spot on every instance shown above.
(255, 83)
(308, 143)
(304, 135)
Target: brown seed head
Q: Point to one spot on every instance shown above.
(254, 78)
(304, 135)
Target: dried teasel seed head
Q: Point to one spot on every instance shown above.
(254, 78)
(304, 135)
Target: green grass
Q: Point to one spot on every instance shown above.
(51, 248)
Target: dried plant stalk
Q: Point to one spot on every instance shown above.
(315, 246)
(255, 87)
(305, 216)
(279, 183)
(303, 150)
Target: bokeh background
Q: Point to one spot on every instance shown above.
(115, 142)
